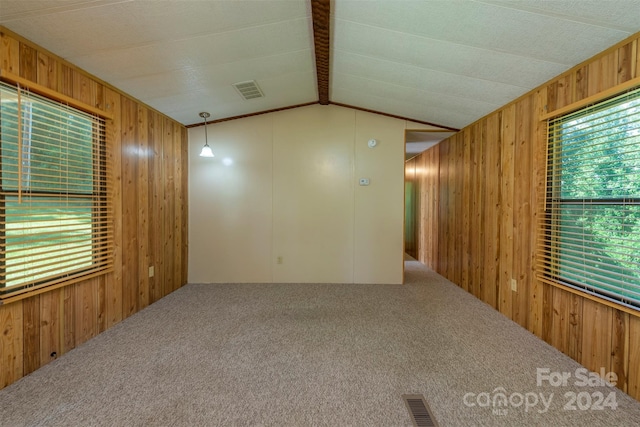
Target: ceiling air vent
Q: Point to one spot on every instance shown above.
(249, 89)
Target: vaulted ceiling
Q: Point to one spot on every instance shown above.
(447, 62)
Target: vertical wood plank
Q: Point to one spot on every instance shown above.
(28, 62)
(603, 73)
(129, 209)
(459, 209)
(443, 214)
(155, 203)
(426, 208)
(451, 212)
(31, 334)
(113, 289)
(184, 191)
(83, 88)
(547, 326)
(142, 190)
(47, 71)
(65, 80)
(415, 190)
(633, 359)
(537, 197)
(466, 210)
(437, 202)
(179, 204)
(419, 160)
(51, 325)
(620, 347)
(574, 347)
(492, 218)
(479, 207)
(507, 174)
(179, 208)
(555, 318)
(582, 80)
(101, 308)
(596, 335)
(416, 214)
(625, 62)
(431, 199)
(99, 94)
(11, 343)
(635, 60)
(523, 212)
(169, 207)
(9, 54)
(565, 91)
(452, 261)
(566, 334)
(443, 229)
(86, 309)
(69, 318)
(552, 96)
(419, 209)
(427, 202)
(475, 210)
(425, 164)
(160, 213)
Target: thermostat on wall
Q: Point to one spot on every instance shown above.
(364, 181)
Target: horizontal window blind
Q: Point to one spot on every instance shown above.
(55, 193)
(591, 221)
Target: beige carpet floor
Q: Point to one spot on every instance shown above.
(313, 355)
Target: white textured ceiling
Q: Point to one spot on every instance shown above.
(447, 62)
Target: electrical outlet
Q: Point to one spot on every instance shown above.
(514, 285)
(279, 260)
(151, 271)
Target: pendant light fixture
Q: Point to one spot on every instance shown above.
(206, 150)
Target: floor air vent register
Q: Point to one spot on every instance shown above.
(421, 415)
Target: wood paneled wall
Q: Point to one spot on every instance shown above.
(483, 219)
(149, 153)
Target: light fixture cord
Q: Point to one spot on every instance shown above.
(206, 139)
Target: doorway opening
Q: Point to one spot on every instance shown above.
(416, 193)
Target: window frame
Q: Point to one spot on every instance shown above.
(100, 199)
(548, 252)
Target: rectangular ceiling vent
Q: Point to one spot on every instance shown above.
(249, 89)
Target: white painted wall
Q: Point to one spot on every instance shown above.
(290, 189)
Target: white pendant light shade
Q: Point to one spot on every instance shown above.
(206, 150)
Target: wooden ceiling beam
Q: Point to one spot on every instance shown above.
(244, 116)
(339, 104)
(422, 122)
(321, 12)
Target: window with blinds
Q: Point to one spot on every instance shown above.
(591, 223)
(55, 210)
